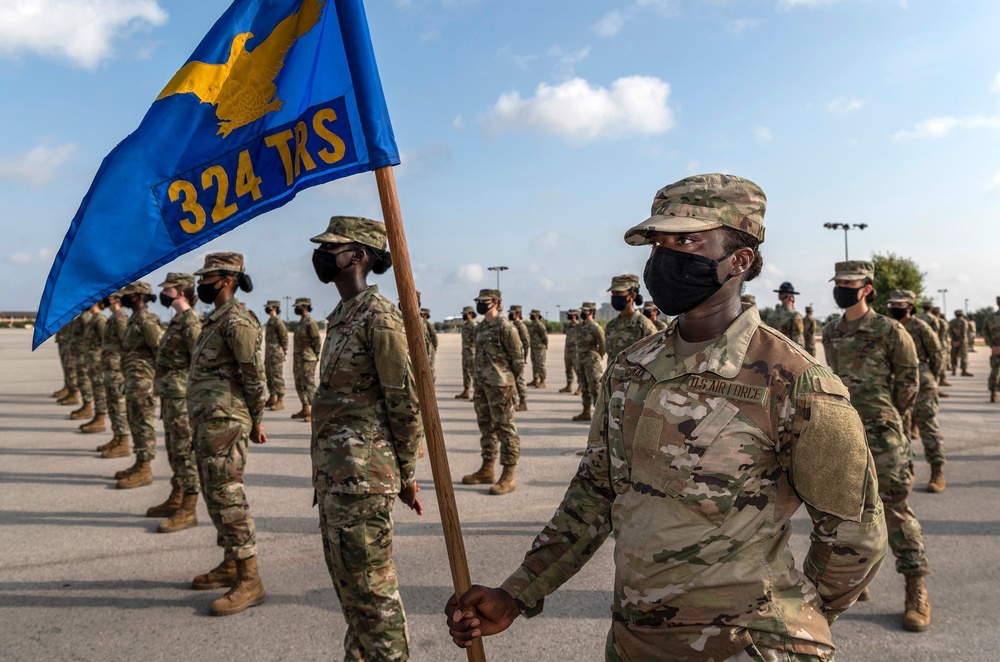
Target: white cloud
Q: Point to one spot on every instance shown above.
(38, 166)
(762, 134)
(792, 4)
(610, 24)
(80, 30)
(741, 25)
(471, 273)
(613, 22)
(566, 61)
(844, 105)
(938, 127)
(41, 256)
(995, 184)
(550, 239)
(579, 112)
(693, 168)
(458, 123)
(995, 87)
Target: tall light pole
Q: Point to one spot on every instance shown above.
(845, 227)
(498, 270)
(966, 307)
(944, 302)
(287, 299)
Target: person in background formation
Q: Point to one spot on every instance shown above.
(590, 350)
(173, 363)
(630, 326)
(365, 433)
(902, 306)
(139, 347)
(275, 350)
(707, 438)
(810, 329)
(307, 349)
(66, 361)
(539, 341)
(570, 328)
(114, 379)
(652, 313)
(940, 329)
(499, 363)
(468, 352)
(972, 334)
(958, 329)
(877, 360)
(785, 318)
(79, 345)
(226, 392)
(430, 341)
(945, 336)
(515, 317)
(991, 336)
(93, 338)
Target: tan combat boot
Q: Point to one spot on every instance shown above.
(127, 471)
(568, 388)
(464, 395)
(943, 394)
(533, 383)
(917, 614)
(506, 483)
(111, 442)
(120, 449)
(270, 400)
(95, 424)
(307, 413)
(937, 482)
(86, 411)
(993, 396)
(279, 404)
(73, 398)
(184, 517)
(300, 413)
(578, 391)
(865, 596)
(966, 373)
(522, 405)
(583, 415)
(944, 382)
(484, 476)
(168, 507)
(541, 384)
(248, 591)
(142, 475)
(61, 393)
(221, 576)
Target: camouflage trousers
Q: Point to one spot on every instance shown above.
(590, 371)
(141, 408)
(569, 359)
(538, 372)
(924, 417)
(893, 457)
(357, 546)
(468, 367)
(96, 374)
(114, 393)
(274, 366)
(994, 382)
(629, 644)
(960, 357)
(432, 360)
(520, 385)
(305, 380)
(68, 365)
(220, 446)
(81, 361)
(495, 416)
(180, 450)
(810, 345)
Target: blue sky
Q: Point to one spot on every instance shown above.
(533, 134)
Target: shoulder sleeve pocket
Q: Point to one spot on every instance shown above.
(391, 357)
(830, 384)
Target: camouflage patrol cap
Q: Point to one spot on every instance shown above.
(809, 309)
(748, 298)
(138, 287)
(425, 311)
(903, 296)
(649, 305)
(118, 293)
(704, 202)
(854, 270)
(469, 309)
(573, 311)
(489, 295)
(303, 301)
(178, 281)
(588, 305)
(232, 262)
(272, 304)
(624, 283)
(515, 309)
(535, 312)
(929, 303)
(959, 312)
(353, 230)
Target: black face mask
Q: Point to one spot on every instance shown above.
(165, 300)
(619, 302)
(126, 302)
(898, 313)
(647, 314)
(679, 282)
(845, 297)
(326, 265)
(512, 317)
(482, 307)
(208, 293)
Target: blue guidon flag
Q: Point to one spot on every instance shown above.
(279, 96)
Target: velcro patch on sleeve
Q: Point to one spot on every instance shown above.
(831, 385)
(830, 459)
(391, 357)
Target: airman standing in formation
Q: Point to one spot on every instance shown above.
(114, 379)
(468, 352)
(570, 361)
(991, 336)
(902, 306)
(590, 350)
(499, 363)
(539, 341)
(93, 338)
(652, 313)
(630, 326)
(430, 341)
(877, 361)
(515, 316)
(972, 334)
(307, 348)
(173, 363)
(275, 350)
(79, 345)
(958, 329)
(66, 362)
(785, 318)
(810, 329)
(139, 347)
(226, 392)
(941, 331)
(945, 336)
(365, 433)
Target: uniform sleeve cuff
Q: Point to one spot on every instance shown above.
(525, 592)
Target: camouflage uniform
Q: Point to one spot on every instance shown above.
(648, 309)
(522, 334)
(499, 363)
(810, 329)
(972, 335)
(570, 328)
(696, 466)
(958, 330)
(173, 363)
(64, 338)
(275, 347)
(539, 342)
(114, 379)
(945, 338)
(468, 350)
(991, 336)
(139, 346)
(307, 348)
(877, 360)
(93, 337)
(789, 322)
(590, 350)
(79, 348)
(226, 391)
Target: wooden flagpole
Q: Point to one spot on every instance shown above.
(436, 452)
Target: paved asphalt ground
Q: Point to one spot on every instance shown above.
(84, 576)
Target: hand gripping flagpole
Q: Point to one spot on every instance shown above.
(437, 454)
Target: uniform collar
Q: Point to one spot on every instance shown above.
(865, 323)
(346, 310)
(220, 311)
